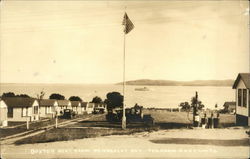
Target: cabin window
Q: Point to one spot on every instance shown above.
(10, 112)
(239, 97)
(244, 104)
(35, 109)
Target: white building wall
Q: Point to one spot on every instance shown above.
(240, 109)
(17, 115)
(90, 108)
(79, 110)
(3, 114)
(42, 111)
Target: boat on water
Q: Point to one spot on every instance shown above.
(142, 89)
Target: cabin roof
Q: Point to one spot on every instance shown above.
(63, 102)
(19, 101)
(47, 102)
(84, 104)
(91, 105)
(75, 103)
(245, 77)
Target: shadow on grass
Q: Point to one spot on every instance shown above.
(11, 131)
(106, 124)
(240, 142)
(66, 134)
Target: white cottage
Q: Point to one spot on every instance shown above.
(90, 108)
(63, 104)
(84, 107)
(48, 108)
(22, 109)
(76, 105)
(242, 94)
(3, 114)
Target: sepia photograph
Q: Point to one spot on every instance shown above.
(124, 79)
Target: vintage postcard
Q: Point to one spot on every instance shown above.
(124, 79)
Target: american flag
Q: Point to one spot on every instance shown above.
(128, 25)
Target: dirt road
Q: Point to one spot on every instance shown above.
(143, 145)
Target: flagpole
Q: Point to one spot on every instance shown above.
(124, 83)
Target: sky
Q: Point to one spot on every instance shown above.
(83, 41)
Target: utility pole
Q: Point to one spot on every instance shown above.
(40, 97)
(56, 121)
(195, 123)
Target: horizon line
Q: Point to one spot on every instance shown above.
(118, 82)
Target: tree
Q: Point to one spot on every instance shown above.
(200, 105)
(185, 106)
(9, 94)
(23, 96)
(114, 100)
(96, 99)
(56, 96)
(75, 98)
(41, 95)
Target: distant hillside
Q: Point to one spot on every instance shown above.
(180, 83)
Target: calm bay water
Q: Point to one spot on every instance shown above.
(158, 96)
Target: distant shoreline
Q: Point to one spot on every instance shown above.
(147, 82)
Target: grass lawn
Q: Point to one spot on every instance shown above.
(166, 119)
(15, 123)
(4, 132)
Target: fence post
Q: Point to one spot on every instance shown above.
(56, 121)
(27, 123)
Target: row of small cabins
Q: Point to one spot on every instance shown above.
(23, 109)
